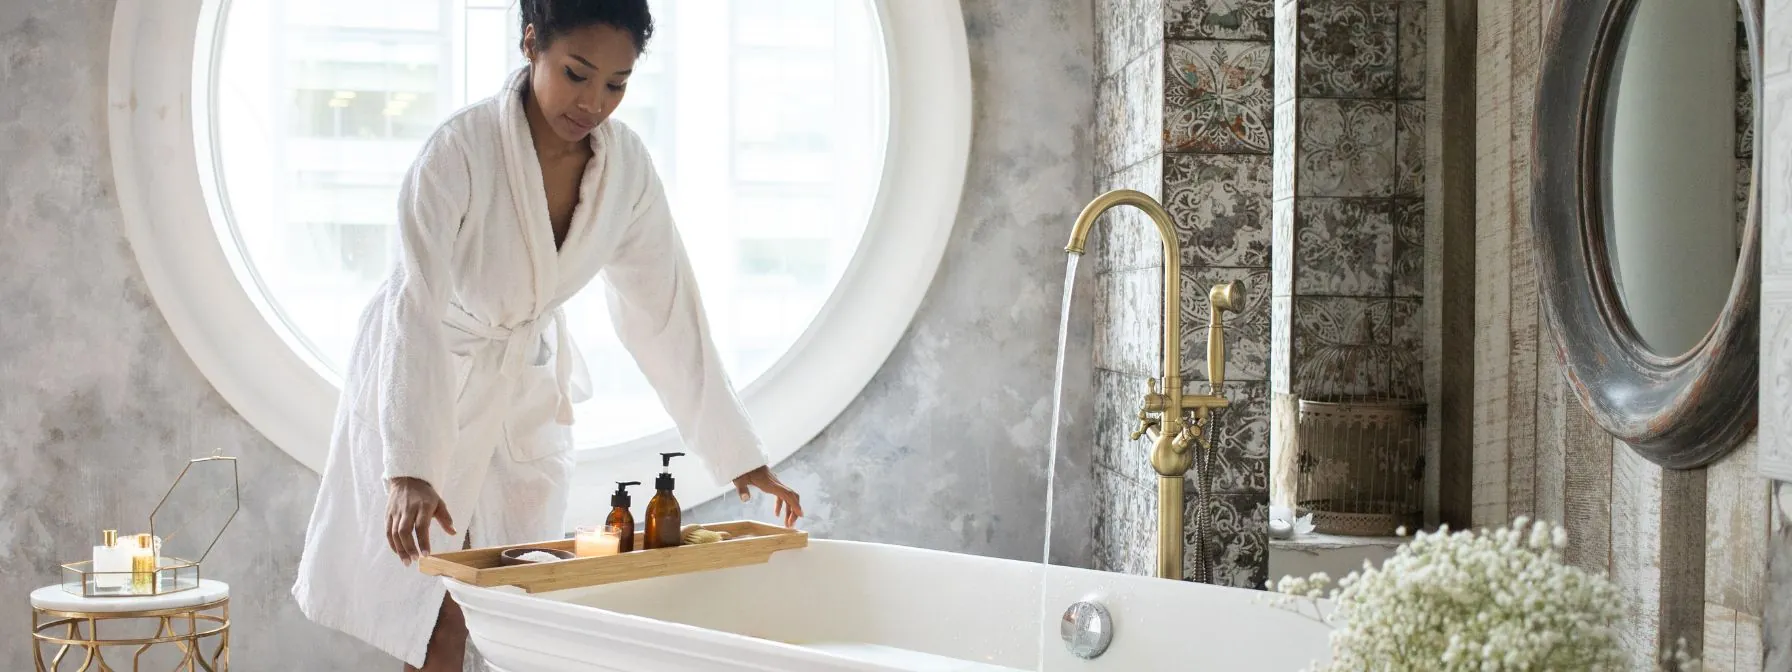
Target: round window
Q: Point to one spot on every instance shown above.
(813, 151)
(765, 119)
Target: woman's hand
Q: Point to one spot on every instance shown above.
(410, 506)
(790, 504)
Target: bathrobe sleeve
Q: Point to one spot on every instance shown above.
(659, 318)
(416, 377)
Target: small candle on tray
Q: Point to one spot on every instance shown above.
(593, 541)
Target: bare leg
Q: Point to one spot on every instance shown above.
(448, 643)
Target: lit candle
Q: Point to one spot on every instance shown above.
(593, 541)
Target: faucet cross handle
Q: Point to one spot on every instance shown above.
(1146, 422)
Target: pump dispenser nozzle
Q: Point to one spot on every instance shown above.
(620, 498)
(665, 482)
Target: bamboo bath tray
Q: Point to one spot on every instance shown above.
(752, 543)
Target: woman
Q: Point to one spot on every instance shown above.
(453, 426)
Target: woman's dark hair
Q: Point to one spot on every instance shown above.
(553, 18)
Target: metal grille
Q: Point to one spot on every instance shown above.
(1361, 464)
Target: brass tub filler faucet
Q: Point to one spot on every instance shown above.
(1178, 424)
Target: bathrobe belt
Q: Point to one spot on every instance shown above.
(518, 341)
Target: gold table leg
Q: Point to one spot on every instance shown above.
(191, 643)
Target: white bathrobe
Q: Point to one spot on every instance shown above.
(463, 374)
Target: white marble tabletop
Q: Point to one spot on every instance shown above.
(54, 598)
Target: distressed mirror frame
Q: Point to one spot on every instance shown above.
(1680, 411)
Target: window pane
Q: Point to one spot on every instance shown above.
(770, 168)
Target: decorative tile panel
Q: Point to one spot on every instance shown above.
(1246, 331)
(1406, 359)
(1218, 96)
(1409, 136)
(1346, 148)
(1221, 207)
(1347, 49)
(1413, 25)
(1409, 247)
(1240, 540)
(1341, 346)
(1129, 114)
(1241, 439)
(1219, 19)
(1343, 247)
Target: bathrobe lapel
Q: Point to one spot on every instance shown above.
(529, 195)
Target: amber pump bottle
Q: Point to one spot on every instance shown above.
(663, 520)
(621, 519)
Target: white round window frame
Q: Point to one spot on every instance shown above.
(158, 123)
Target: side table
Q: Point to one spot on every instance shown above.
(186, 619)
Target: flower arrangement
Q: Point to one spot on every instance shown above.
(1499, 599)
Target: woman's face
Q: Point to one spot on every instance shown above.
(580, 78)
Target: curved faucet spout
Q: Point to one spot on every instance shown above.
(1172, 310)
(1079, 234)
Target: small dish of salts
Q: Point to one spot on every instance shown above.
(528, 556)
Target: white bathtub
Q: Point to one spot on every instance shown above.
(873, 607)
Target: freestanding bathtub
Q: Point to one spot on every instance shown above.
(873, 607)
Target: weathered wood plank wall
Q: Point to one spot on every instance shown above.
(1688, 549)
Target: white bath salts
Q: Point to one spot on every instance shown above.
(538, 556)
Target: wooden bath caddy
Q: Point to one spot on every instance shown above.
(751, 543)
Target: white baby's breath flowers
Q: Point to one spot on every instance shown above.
(1477, 601)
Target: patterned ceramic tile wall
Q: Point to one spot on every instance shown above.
(1204, 150)
(1218, 96)
(1246, 331)
(1347, 49)
(1219, 19)
(1345, 148)
(1219, 178)
(1240, 539)
(1220, 205)
(1244, 471)
(1409, 247)
(1348, 236)
(1343, 247)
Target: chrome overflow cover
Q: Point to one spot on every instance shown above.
(1087, 629)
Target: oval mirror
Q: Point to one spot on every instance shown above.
(1645, 219)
